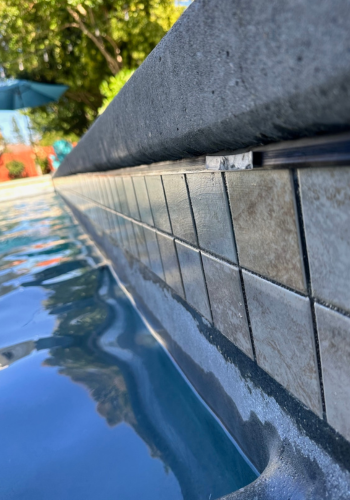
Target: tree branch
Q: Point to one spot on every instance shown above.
(111, 61)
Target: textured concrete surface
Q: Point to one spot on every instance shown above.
(226, 301)
(158, 204)
(142, 200)
(334, 337)
(170, 263)
(211, 213)
(325, 196)
(131, 198)
(193, 278)
(229, 74)
(265, 225)
(153, 252)
(283, 338)
(179, 207)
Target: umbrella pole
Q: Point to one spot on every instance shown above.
(30, 136)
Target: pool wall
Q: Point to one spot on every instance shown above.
(239, 259)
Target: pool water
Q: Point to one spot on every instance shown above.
(91, 405)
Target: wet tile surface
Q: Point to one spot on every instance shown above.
(193, 278)
(211, 213)
(131, 198)
(114, 193)
(142, 200)
(141, 243)
(325, 196)
(153, 252)
(334, 337)
(179, 207)
(132, 245)
(265, 225)
(284, 339)
(170, 263)
(226, 300)
(158, 204)
(124, 208)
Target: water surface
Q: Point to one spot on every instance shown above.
(91, 405)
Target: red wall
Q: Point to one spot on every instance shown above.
(24, 154)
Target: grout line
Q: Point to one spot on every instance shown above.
(191, 209)
(148, 198)
(166, 205)
(178, 263)
(224, 180)
(247, 313)
(299, 214)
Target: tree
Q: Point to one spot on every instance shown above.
(17, 132)
(80, 45)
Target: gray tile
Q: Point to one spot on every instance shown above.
(153, 252)
(284, 339)
(141, 244)
(211, 213)
(124, 208)
(114, 194)
(131, 197)
(158, 204)
(170, 263)
(115, 231)
(226, 300)
(124, 239)
(325, 195)
(193, 278)
(179, 207)
(131, 245)
(142, 200)
(101, 192)
(265, 225)
(334, 337)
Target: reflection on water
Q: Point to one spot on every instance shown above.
(92, 407)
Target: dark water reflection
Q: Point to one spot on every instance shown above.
(91, 406)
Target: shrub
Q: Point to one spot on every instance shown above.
(15, 168)
(44, 165)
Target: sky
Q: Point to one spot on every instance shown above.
(6, 125)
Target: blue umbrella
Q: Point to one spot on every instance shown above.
(18, 94)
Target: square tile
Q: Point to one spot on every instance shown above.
(124, 239)
(179, 207)
(124, 207)
(284, 339)
(227, 303)
(325, 198)
(131, 198)
(156, 264)
(265, 225)
(158, 204)
(141, 244)
(212, 214)
(170, 263)
(193, 278)
(131, 245)
(142, 200)
(114, 194)
(334, 337)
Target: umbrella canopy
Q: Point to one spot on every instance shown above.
(18, 94)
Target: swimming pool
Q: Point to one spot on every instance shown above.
(92, 406)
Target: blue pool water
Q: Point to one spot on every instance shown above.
(91, 405)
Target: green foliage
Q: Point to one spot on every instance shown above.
(110, 88)
(79, 44)
(44, 165)
(15, 168)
